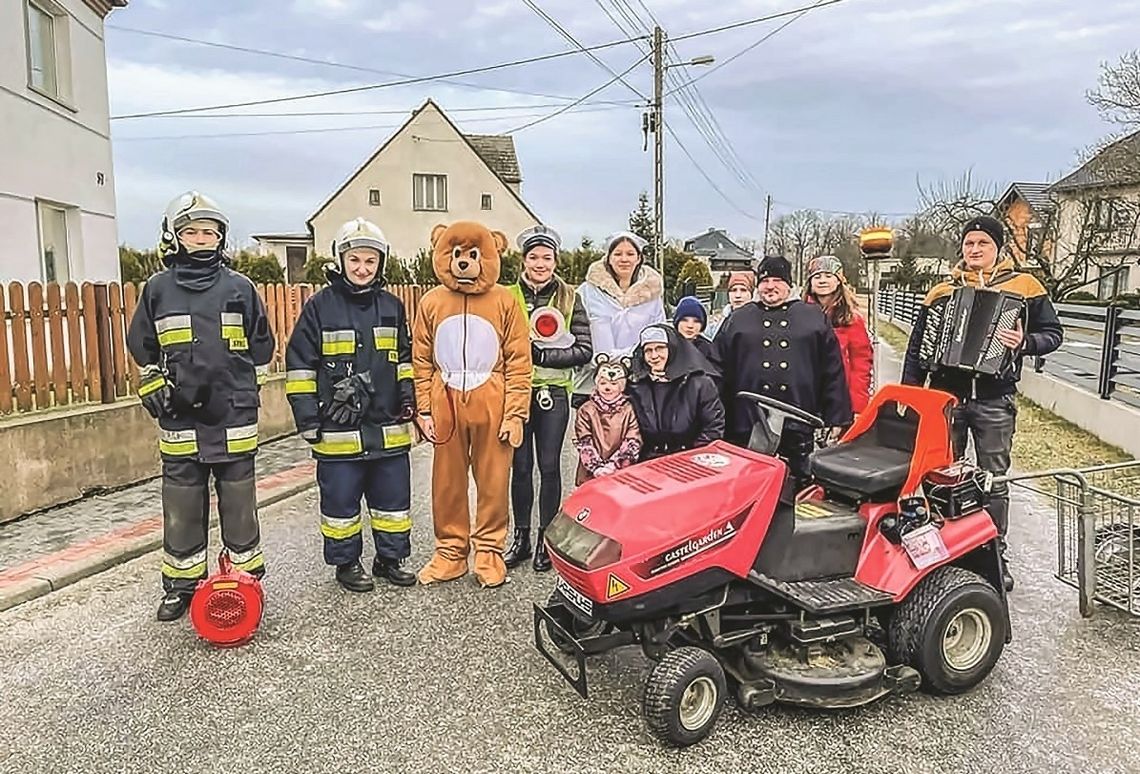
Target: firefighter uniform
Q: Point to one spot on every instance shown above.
(201, 336)
(347, 331)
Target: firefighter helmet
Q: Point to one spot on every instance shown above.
(359, 233)
(187, 207)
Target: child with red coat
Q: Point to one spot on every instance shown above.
(827, 286)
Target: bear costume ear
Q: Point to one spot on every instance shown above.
(501, 242)
(627, 363)
(601, 359)
(436, 232)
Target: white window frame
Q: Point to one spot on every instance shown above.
(1111, 282)
(65, 214)
(59, 90)
(429, 192)
(374, 198)
(486, 201)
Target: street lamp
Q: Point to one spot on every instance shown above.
(705, 59)
(659, 68)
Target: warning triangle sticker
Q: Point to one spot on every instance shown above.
(615, 587)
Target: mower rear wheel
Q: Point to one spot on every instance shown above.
(952, 629)
(579, 626)
(684, 696)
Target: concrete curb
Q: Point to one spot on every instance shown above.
(49, 573)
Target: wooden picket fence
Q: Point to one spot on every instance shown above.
(66, 345)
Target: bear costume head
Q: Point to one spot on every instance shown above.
(465, 256)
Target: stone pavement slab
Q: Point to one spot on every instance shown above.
(52, 549)
(55, 529)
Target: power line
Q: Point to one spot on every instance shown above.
(699, 112)
(374, 86)
(322, 130)
(617, 77)
(323, 62)
(763, 39)
(574, 41)
(842, 212)
(758, 20)
(396, 112)
(470, 71)
(708, 179)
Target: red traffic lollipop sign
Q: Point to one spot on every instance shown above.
(547, 323)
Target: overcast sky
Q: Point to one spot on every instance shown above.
(842, 110)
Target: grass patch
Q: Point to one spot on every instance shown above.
(893, 335)
(1044, 440)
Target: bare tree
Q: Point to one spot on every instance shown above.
(946, 204)
(1117, 95)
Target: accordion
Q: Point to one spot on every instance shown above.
(962, 333)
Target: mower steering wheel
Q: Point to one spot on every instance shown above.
(778, 407)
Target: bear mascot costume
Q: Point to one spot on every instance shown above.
(472, 365)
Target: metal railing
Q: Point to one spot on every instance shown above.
(1098, 531)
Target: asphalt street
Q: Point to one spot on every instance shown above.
(446, 679)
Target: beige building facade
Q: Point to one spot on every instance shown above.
(57, 187)
(427, 173)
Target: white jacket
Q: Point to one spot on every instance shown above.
(617, 317)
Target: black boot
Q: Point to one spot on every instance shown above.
(174, 605)
(519, 551)
(391, 571)
(352, 577)
(541, 557)
(1006, 578)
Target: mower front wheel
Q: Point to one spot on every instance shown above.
(684, 696)
(952, 629)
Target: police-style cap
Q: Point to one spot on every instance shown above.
(539, 236)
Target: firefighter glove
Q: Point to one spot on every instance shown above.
(351, 396)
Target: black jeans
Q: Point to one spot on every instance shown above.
(991, 422)
(543, 434)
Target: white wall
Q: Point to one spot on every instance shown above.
(60, 152)
(426, 145)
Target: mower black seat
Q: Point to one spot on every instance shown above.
(874, 464)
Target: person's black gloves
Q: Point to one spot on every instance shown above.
(351, 396)
(155, 393)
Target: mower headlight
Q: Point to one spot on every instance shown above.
(581, 547)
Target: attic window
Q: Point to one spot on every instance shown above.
(429, 192)
(485, 202)
(374, 197)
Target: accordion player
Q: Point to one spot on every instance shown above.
(962, 333)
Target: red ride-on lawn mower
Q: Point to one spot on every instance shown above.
(880, 577)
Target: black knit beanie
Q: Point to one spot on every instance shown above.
(991, 226)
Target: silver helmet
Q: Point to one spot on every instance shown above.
(185, 208)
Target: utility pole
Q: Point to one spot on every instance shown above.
(767, 218)
(658, 148)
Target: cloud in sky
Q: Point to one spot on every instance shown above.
(842, 110)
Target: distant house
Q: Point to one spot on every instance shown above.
(57, 189)
(1028, 210)
(290, 250)
(720, 253)
(1098, 219)
(428, 172)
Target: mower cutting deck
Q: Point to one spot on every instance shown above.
(726, 578)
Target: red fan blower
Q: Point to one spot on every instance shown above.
(227, 606)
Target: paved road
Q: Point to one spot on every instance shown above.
(445, 679)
